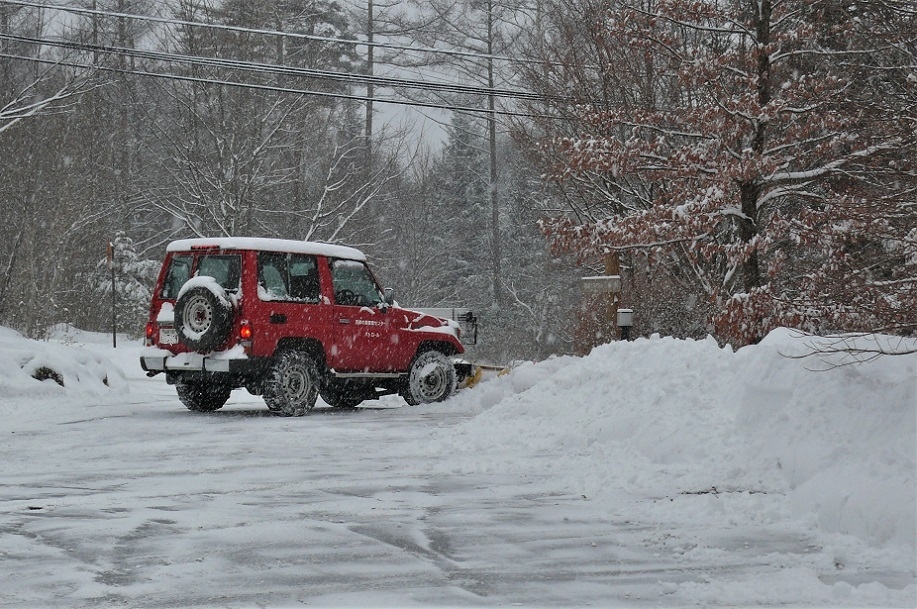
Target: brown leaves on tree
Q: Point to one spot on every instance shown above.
(767, 148)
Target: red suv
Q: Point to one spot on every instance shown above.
(290, 320)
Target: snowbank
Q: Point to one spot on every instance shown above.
(843, 438)
(666, 418)
(740, 478)
(655, 418)
(36, 368)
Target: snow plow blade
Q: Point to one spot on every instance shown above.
(480, 372)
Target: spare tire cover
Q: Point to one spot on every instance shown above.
(203, 314)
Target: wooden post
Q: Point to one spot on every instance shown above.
(612, 267)
(114, 316)
(610, 284)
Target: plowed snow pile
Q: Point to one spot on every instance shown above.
(723, 438)
(36, 368)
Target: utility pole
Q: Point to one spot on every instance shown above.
(5, 19)
(95, 35)
(370, 90)
(496, 253)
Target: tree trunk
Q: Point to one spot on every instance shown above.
(8, 272)
(748, 230)
(750, 191)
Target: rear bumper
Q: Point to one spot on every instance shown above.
(229, 365)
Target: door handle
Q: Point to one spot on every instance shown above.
(278, 318)
(343, 320)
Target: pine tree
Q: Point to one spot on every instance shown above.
(134, 279)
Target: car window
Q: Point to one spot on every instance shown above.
(354, 285)
(289, 277)
(304, 284)
(179, 272)
(224, 269)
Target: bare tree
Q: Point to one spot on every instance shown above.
(31, 102)
(39, 97)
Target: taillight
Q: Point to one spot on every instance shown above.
(245, 330)
(150, 330)
(245, 335)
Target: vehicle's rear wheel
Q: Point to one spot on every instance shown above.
(430, 379)
(203, 317)
(290, 388)
(203, 397)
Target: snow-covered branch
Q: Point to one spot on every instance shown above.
(30, 102)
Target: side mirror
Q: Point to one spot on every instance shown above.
(388, 296)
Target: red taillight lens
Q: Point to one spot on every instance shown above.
(149, 331)
(245, 331)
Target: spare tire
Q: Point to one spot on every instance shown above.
(203, 316)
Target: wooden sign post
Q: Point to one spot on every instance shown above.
(110, 254)
(609, 283)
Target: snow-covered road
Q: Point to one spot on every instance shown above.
(142, 503)
(131, 500)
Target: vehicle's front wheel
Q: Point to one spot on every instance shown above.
(430, 379)
(203, 397)
(290, 388)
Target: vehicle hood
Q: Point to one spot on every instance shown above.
(417, 320)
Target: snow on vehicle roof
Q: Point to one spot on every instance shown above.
(270, 245)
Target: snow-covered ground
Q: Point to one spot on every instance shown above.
(652, 473)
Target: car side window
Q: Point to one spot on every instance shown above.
(224, 269)
(272, 272)
(288, 277)
(354, 285)
(179, 272)
(304, 283)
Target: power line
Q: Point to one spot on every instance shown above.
(232, 28)
(329, 94)
(277, 69)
